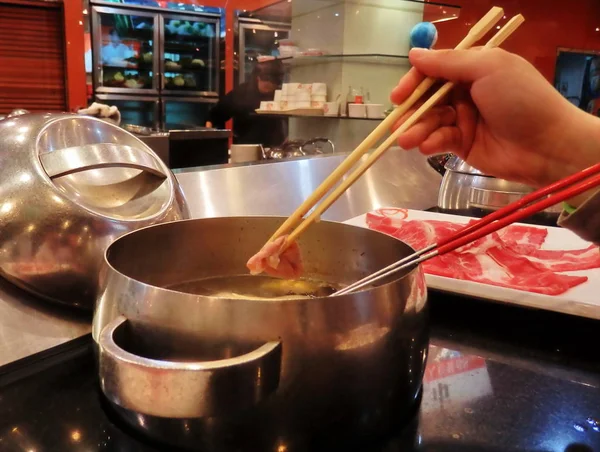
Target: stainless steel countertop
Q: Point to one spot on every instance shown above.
(253, 163)
(29, 326)
(399, 178)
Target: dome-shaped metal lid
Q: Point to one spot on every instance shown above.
(103, 168)
(71, 185)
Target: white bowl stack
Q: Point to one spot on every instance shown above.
(277, 98)
(301, 96)
(274, 105)
(295, 96)
(269, 106)
(318, 96)
(289, 95)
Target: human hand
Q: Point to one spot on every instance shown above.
(502, 117)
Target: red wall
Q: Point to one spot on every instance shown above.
(74, 48)
(549, 24)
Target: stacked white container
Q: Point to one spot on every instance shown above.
(288, 95)
(297, 96)
(318, 95)
(303, 97)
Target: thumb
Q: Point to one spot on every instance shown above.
(458, 65)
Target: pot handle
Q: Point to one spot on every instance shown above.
(438, 162)
(185, 389)
(63, 162)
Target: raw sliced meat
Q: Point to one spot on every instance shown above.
(447, 265)
(417, 234)
(528, 238)
(496, 269)
(511, 257)
(275, 262)
(523, 274)
(563, 261)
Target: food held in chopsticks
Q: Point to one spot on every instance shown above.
(511, 257)
(268, 258)
(277, 258)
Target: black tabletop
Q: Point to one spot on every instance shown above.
(499, 379)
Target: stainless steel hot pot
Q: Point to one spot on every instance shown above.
(70, 185)
(466, 190)
(237, 374)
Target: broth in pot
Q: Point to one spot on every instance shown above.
(260, 287)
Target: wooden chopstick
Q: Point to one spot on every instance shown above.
(561, 191)
(477, 32)
(495, 41)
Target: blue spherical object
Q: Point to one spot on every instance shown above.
(423, 35)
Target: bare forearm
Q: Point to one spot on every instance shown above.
(580, 149)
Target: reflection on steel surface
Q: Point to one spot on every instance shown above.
(453, 379)
(362, 336)
(399, 178)
(464, 187)
(27, 326)
(70, 185)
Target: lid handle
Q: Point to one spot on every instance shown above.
(63, 162)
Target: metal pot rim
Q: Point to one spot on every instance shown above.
(238, 300)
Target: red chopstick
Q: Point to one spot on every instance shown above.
(484, 227)
(530, 204)
(526, 200)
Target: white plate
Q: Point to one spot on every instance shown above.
(583, 300)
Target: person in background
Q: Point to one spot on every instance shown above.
(506, 120)
(115, 51)
(240, 105)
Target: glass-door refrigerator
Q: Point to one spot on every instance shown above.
(185, 112)
(189, 69)
(125, 51)
(159, 68)
(189, 55)
(256, 39)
